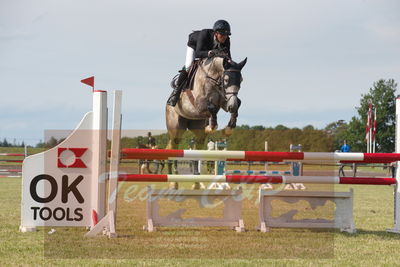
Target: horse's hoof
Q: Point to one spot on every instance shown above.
(210, 129)
(198, 186)
(227, 131)
(173, 185)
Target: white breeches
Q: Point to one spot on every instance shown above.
(189, 57)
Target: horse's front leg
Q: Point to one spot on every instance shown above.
(213, 123)
(232, 121)
(227, 131)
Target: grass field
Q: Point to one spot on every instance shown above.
(371, 246)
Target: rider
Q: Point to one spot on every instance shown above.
(202, 44)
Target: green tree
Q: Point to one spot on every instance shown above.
(40, 144)
(243, 127)
(5, 143)
(382, 96)
(308, 127)
(338, 131)
(52, 142)
(258, 127)
(281, 127)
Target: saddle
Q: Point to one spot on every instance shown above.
(189, 81)
(191, 74)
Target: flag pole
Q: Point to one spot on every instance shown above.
(370, 130)
(370, 139)
(367, 126)
(374, 133)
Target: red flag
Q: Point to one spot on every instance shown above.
(89, 81)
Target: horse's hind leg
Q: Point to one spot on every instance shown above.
(197, 127)
(176, 126)
(175, 138)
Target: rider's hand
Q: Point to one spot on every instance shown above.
(212, 53)
(218, 53)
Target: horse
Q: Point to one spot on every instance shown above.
(216, 85)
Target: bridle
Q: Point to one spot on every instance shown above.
(219, 82)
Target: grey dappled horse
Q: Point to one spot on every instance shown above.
(216, 85)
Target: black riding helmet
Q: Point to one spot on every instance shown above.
(222, 26)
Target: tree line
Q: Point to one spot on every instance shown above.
(5, 143)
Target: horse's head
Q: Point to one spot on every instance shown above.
(231, 80)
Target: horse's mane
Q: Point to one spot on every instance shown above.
(217, 59)
(215, 62)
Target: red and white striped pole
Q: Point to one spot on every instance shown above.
(12, 154)
(250, 179)
(171, 154)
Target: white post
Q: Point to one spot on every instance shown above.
(107, 224)
(291, 163)
(266, 149)
(216, 162)
(396, 228)
(368, 133)
(199, 166)
(374, 130)
(99, 145)
(115, 155)
(370, 140)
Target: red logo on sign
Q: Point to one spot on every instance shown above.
(78, 163)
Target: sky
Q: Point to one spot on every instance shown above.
(309, 61)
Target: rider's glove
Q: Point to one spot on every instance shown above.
(212, 53)
(218, 53)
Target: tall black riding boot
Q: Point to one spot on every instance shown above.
(180, 83)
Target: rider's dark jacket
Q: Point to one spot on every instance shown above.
(203, 41)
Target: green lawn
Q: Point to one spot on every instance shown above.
(371, 246)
